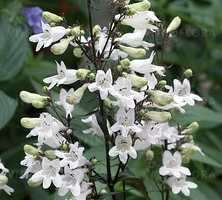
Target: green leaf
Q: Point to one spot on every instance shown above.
(206, 117)
(8, 107)
(13, 49)
(206, 159)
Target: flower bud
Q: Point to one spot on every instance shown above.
(108, 103)
(50, 154)
(76, 31)
(77, 52)
(39, 104)
(137, 81)
(149, 155)
(161, 98)
(188, 73)
(29, 149)
(137, 7)
(94, 161)
(103, 191)
(174, 25)
(64, 147)
(3, 180)
(51, 17)
(82, 74)
(33, 183)
(158, 116)
(29, 97)
(192, 128)
(119, 68)
(91, 76)
(118, 186)
(30, 122)
(60, 47)
(162, 83)
(125, 63)
(96, 30)
(134, 52)
(76, 97)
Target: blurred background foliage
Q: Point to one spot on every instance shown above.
(197, 45)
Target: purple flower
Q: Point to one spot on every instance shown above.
(33, 16)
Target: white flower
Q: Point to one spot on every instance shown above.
(64, 76)
(6, 188)
(74, 158)
(182, 93)
(48, 174)
(141, 20)
(4, 180)
(181, 185)
(123, 148)
(126, 97)
(152, 80)
(149, 135)
(71, 181)
(145, 66)
(135, 39)
(3, 169)
(85, 191)
(49, 35)
(63, 102)
(172, 165)
(48, 131)
(33, 165)
(125, 122)
(103, 83)
(94, 126)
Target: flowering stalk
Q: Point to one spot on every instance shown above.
(133, 114)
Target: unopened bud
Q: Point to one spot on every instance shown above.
(161, 98)
(188, 73)
(137, 7)
(76, 97)
(91, 76)
(65, 147)
(125, 63)
(50, 154)
(60, 47)
(192, 128)
(3, 180)
(103, 191)
(77, 52)
(40, 104)
(137, 81)
(33, 183)
(82, 74)
(29, 97)
(29, 149)
(162, 83)
(27, 122)
(158, 116)
(149, 155)
(118, 186)
(76, 31)
(96, 29)
(134, 52)
(119, 68)
(108, 103)
(51, 17)
(94, 161)
(174, 25)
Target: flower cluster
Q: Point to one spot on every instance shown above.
(4, 180)
(128, 84)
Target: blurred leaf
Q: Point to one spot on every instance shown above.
(206, 159)
(13, 49)
(206, 117)
(8, 107)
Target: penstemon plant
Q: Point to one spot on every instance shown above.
(133, 115)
